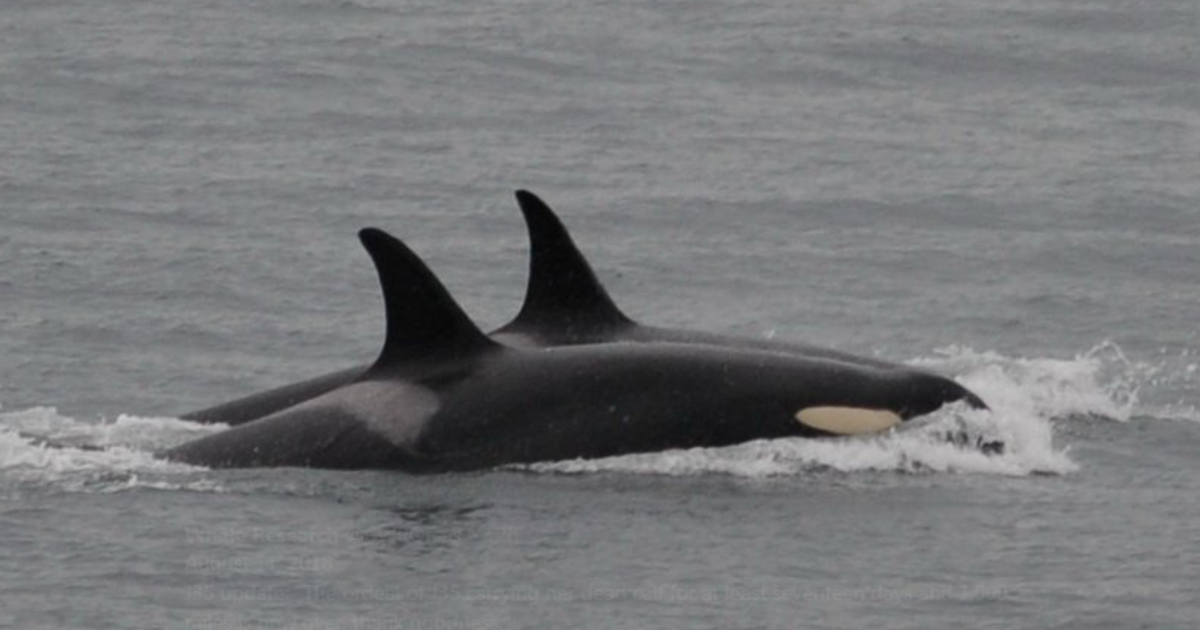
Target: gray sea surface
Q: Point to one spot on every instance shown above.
(1005, 192)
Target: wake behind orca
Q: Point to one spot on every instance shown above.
(444, 396)
(565, 304)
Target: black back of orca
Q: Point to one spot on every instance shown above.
(267, 402)
(443, 396)
(565, 304)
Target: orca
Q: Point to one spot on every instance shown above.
(443, 396)
(565, 304)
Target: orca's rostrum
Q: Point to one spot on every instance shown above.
(444, 396)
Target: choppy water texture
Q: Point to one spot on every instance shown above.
(1005, 192)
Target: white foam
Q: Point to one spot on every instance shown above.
(95, 456)
(923, 449)
(1100, 383)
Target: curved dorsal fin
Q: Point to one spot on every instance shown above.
(423, 320)
(563, 291)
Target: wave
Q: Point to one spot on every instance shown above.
(40, 447)
(1028, 398)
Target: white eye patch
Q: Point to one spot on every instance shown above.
(847, 420)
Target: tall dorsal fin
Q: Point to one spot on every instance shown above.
(423, 320)
(563, 291)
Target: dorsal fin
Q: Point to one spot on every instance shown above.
(423, 320)
(563, 291)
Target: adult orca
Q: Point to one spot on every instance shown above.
(444, 396)
(565, 304)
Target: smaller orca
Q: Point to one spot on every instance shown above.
(565, 304)
(444, 396)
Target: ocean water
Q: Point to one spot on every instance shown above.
(1002, 192)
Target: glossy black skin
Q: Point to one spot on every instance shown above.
(262, 404)
(613, 399)
(507, 406)
(565, 304)
(443, 396)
